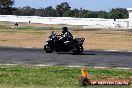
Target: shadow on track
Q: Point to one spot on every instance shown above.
(96, 52)
(70, 53)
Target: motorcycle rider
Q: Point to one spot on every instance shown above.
(64, 43)
(66, 35)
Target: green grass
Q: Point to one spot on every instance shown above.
(8, 29)
(55, 77)
(10, 25)
(3, 27)
(37, 28)
(7, 26)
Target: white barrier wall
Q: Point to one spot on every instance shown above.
(130, 17)
(86, 22)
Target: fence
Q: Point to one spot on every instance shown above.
(85, 22)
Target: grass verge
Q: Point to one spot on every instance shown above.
(55, 77)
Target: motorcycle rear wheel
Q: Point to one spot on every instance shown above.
(78, 50)
(48, 48)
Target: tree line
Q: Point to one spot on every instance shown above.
(61, 10)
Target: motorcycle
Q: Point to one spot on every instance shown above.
(54, 44)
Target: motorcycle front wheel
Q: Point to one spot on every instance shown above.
(48, 48)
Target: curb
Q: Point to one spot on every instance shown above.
(96, 67)
(71, 66)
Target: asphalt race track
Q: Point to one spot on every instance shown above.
(88, 58)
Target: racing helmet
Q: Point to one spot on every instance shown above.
(64, 29)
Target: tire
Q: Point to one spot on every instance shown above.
(78, 50)
(48, 48)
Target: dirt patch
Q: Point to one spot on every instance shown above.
(98, 39)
